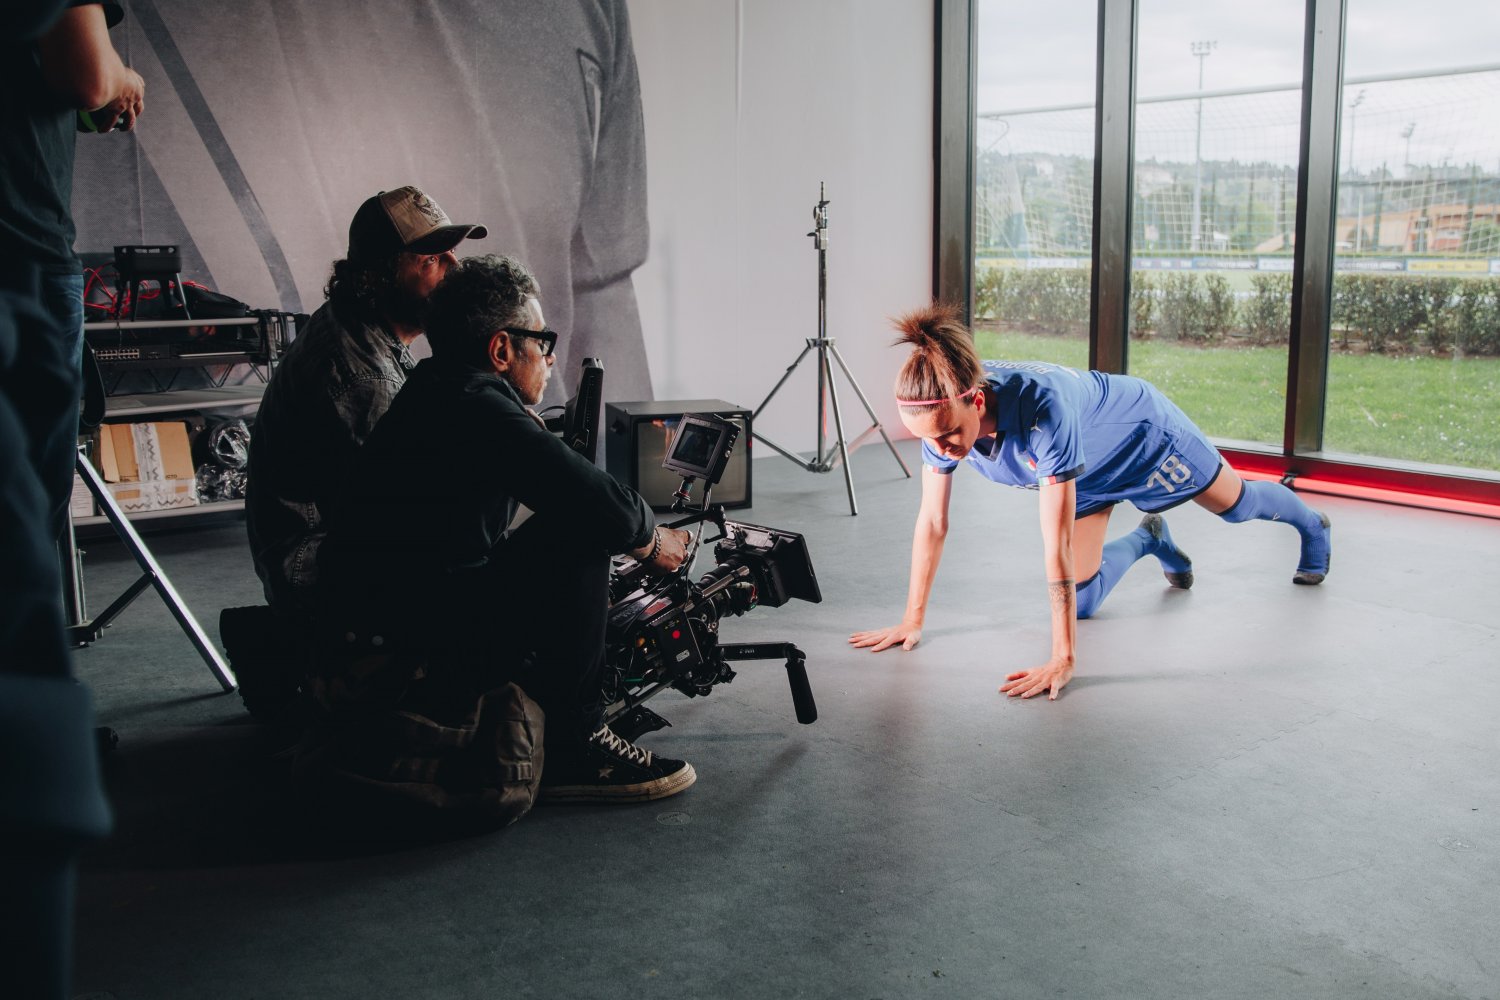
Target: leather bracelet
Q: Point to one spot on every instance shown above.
(655, 545)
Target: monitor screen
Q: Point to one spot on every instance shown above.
(701, 447)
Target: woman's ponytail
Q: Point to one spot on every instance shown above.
(943, 364)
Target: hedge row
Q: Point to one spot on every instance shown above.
(1438, 314)
(1387, 313)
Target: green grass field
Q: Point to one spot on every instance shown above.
(1420, 409)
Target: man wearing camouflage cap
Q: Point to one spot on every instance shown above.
(337, 380)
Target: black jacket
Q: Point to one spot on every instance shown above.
(439, 479)
(335, 383)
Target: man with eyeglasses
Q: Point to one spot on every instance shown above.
(422, 554)
(335, 383)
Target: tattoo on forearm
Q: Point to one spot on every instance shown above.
(1062, 595)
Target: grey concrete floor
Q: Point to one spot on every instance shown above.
(1250, 790)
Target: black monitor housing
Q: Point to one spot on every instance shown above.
(701, 447)
(580, 420)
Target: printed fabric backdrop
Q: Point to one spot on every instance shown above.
(268, 122)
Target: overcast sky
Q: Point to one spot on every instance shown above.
(1042, 54)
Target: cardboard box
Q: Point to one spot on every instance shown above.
(148, 466)
(117, 454)
(153, 494)
(82, 502)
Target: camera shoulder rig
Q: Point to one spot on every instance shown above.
(664, 632)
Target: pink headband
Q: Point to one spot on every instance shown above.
(939, 402)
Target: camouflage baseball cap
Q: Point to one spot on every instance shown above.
(404, 219)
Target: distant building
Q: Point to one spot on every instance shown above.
(1435, 229)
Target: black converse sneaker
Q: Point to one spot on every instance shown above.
(610, 769)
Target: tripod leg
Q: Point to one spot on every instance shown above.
(780, 382)
(89, 630)
(75, 602)
(809, 466)
(152, 570)
(870, 410)
(755, 416)
(838, 423)
(824, 378)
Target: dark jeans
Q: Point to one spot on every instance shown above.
(56, 384)
(44, 382)
(50, 798)
(31, 615)
(545, 596)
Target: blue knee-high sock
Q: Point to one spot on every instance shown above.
(1119, 556)
(1268, 501)
(1174, 562)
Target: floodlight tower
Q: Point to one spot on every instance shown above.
(1359, 219)
(1201, 51)
(1353, 120)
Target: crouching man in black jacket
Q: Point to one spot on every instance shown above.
(425, 560)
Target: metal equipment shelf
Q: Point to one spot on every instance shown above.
(142, 404)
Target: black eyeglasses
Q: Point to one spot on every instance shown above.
(546, 336)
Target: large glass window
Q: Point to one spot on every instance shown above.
(1218, 106)
(1034, 176)
(1414, 369)
(1413, 339)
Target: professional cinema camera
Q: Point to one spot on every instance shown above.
(663, 631)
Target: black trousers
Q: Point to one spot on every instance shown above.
(535, 614)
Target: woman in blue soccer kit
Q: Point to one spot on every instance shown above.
(1085, 441)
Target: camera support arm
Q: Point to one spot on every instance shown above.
(714, 514)
(633, 718)
(796, 671)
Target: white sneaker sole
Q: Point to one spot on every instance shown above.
(642, 791)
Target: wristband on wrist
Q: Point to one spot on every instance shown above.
(655, 545)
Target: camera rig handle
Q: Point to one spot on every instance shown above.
(633, 718)
(714, 514)
(796, 671)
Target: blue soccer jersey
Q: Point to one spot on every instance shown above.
(1118, 436)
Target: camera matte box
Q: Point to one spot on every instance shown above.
(636, 438)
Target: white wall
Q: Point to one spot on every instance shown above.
(748, 105)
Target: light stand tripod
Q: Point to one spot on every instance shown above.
(83, 630)
(823, 461)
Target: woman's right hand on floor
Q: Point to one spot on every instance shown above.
(907, 634)
(1050, 678)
